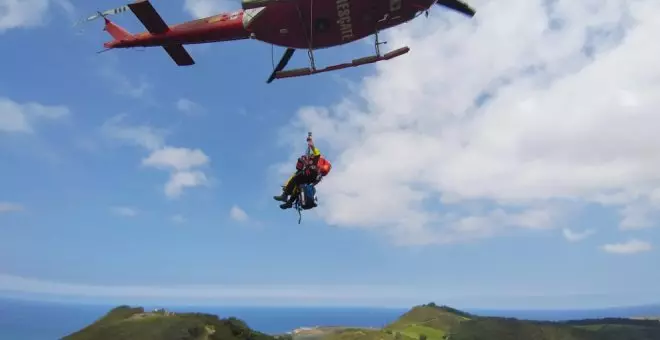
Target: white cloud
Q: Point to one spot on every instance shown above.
(244, 293)
(176, 158)
(575, 236)
(122, 84)
(143, 135)
(66, 5)
(182, 163)
(523, 106)
(630, 247)
(23, 13)
(7, 207)
(184, 179)
(188, 106)
(28, 13)
(205, 8)
(516, 296)
(20, 118)
(639, 215)
(125, 211)
(238, 214)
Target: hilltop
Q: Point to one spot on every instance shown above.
(430, 321)
(433, 322)
(423, 322)
(126, 323)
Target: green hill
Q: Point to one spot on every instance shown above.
(429, 320)
(127, 323)
(432, 322)
(424, 322)
(513, 329)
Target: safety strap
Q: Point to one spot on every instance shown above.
(310, 151)
(298, 208)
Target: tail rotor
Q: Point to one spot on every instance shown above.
(103, 14)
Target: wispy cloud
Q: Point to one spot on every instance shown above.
(8, 207)
(178, 219)
(640, 215)
(134, 87)
(145, 136)
(67, 6)
(124, 211)
(310, 294)
(21, 117)
(189, 107)
(125, 86)
(185, 165)
(205, 8)
(575, 236)
(238, 214)
(630, 247)
(246, 293)
(27, 13)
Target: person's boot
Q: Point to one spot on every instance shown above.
(282, 198)
(286, 205)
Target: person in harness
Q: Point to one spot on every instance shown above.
(310, 169)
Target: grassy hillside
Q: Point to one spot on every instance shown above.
(428, 320)
(513, 329)
(619, 328)
(126, 323)
(424, 322)
(359, 334)
(432, 322)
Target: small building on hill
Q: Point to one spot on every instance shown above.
(162, 311)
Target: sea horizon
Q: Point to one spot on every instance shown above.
(59, 318)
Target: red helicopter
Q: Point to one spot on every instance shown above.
(294, 24)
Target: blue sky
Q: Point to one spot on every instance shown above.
(126, 178)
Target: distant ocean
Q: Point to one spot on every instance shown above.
(56, 320)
